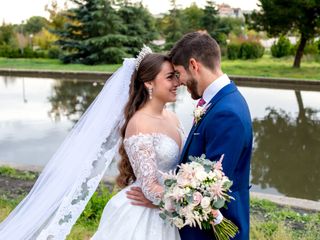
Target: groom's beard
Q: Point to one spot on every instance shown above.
(192, 86)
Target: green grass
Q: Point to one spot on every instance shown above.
(52, 64)
(273, 67)
(264, 67)
(268, 220)
(271, 222)
(17, 174)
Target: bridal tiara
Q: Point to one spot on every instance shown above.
(144, 52)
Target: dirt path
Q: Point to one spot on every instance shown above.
(13, 188)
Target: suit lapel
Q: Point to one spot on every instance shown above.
(223, 92)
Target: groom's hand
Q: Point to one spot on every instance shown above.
(136, 194)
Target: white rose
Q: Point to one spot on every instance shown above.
(205, 202)
(194, 183)
(178, 222)
(201, 175)
(198, 111)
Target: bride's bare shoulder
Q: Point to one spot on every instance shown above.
(139, 123)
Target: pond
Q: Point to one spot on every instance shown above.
(37, 113)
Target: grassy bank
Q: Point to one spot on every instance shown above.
(52, 64)
(273, 67)
(268, 220)
(264, 67)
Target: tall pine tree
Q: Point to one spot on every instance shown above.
(172, 25)
(138, 25)
(98, 33)
(210, 18)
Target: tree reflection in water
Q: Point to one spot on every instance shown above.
(72, 98)
(286, 153)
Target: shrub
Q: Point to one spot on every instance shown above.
(311, 48)
(251, 50)
(8, 51)
(233, 51)
(281, 48)
(54, 52)
(11, 52)
(245, 50)
(93, 211)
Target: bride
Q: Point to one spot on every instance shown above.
(152, 142)
(128, 116)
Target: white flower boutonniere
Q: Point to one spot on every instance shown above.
(199, 112)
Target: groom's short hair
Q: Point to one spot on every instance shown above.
(198, 45)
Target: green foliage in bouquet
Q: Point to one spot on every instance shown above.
(193, 195)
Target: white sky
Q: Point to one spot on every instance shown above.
(14, 11)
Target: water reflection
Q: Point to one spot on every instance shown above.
(72, 98)
(286, 154)
(286, 157)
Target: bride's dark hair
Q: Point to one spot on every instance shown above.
(148, 69)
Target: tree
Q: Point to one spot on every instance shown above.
(57, 18)
(281, 48)
(44, 39)
(138, 25)
(92, 27)
(172, 26)
(210, 18)
(35, 24)
(71, 99)
(6, 34)
(278, 17)
(191, 18)
(96, 32)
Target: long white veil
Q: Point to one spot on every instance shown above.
(73, 173)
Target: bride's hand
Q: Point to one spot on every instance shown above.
(136, 194)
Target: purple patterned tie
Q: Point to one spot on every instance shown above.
(201, 102)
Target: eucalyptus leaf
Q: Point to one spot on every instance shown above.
(219, 203)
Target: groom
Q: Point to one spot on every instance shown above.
(224, 128)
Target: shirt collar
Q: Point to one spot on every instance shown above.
(215, 87)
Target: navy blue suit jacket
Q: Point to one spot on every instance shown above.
(225, 129)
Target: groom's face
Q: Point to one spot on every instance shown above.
(185, 77)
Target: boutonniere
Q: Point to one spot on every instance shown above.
(199, 112)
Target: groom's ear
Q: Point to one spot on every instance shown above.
(193, 64)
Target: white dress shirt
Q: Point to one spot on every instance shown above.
(215, 87)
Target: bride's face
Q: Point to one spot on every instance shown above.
(165, 84)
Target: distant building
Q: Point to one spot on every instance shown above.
(226, 10)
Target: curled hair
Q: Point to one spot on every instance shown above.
(148, 69)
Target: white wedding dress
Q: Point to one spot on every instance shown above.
(148, 153)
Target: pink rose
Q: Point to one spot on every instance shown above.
(168, 205)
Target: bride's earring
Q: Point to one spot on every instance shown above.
(150, 90)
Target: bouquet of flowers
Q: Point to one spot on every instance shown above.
(194, 195)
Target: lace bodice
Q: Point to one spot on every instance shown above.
(149, 154)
